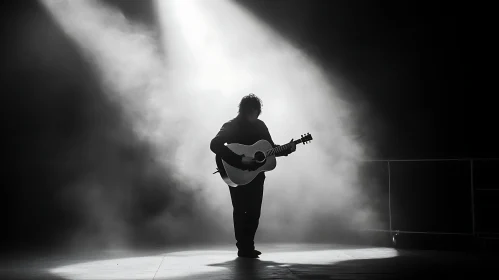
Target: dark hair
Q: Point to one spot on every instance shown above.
(249, 103)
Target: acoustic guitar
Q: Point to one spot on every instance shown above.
(264, 154)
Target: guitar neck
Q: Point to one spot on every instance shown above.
(282, 148)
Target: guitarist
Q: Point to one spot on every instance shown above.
(245, 129)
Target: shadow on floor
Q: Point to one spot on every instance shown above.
(409, 264)
(420, 265)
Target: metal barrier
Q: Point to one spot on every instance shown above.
(471, 161)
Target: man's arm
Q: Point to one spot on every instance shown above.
(218, 147)
(269, 138)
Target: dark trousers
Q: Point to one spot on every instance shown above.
(247, 203)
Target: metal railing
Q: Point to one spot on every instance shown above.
(471, 161)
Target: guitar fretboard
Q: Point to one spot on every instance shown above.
(282, 148)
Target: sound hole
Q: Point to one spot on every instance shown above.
(259, 156)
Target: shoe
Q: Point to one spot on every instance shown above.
(257, 252)
(246, 254)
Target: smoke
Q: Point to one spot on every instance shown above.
(220, 53)
(176, 102)
(133, 192)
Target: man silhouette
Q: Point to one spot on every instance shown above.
(245, 129)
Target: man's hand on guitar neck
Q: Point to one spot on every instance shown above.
(293, 145)
(288, 150)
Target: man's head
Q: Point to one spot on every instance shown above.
(250, 107)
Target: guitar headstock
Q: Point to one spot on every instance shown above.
(306, 138)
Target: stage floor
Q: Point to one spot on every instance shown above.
(278, 261)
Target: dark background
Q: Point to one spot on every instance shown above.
(406, 58)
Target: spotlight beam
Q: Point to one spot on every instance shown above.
(215, 53)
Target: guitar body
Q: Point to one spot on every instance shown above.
(234, 176)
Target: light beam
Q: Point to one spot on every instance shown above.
(216, 52)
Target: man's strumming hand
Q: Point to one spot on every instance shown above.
(249, 162)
